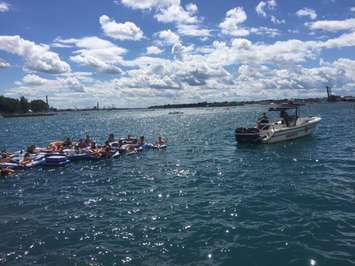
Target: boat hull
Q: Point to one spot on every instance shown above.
(293, 132)
(277, 133)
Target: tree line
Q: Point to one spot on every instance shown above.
(22, 105)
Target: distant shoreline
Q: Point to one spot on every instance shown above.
(172, 106)
(234, 103)
(25, 115)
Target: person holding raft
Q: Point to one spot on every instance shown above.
(88, 140)
(103, 152)
(82, 144)
(67, 144)
(31, 149)
(26, 159)
(160, 141)
(56, 146)
(141, 141)
(5, 158)
(111, 138)
(6, 171)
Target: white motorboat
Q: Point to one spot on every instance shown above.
(287, 127)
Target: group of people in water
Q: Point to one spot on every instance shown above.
(87, 145)
(123, 144)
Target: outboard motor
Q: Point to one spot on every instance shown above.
(247, 135)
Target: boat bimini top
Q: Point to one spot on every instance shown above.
(286, 106)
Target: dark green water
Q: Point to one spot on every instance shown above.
(203, 201)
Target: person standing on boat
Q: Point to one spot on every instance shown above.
(262, 121)
(284, 115)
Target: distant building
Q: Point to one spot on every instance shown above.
(331, 97)
(336, 98)
(348, 99)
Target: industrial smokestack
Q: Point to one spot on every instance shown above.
(329, 91)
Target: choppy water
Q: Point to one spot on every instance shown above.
(203, 201)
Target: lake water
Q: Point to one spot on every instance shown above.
(203, 201)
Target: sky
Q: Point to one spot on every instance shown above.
(137, 53)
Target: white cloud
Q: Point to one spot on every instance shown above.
(260, 9)
(180, 51)
(191, 8)
(271, 32)
(171, 11)
(333, 25)
(307, 12)
(4, 7)
(272, 4)
(344, 40)
(149, 4)
(192, 80)
(153, 50)
(168, 37)
(33, 80)
(176, 13)
(35, 86)
(120, 31)
(243, 51)
(268, 5)
(4, 64)
(95, 52)
(60, 45)
(168, 11)
(275, 20)
(232, 22)
(232, 25)
(234, 69)
(193, 30)
(352, 9)
(37, 56)
(92, 43)
(63, 91)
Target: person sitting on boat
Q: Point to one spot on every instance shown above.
(82, 144)
(284, 115)
(262, 121)
(88, 140)
(67, 143)
(111, 138)
(141, 141)
(93, 145)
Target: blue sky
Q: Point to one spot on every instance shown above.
(135, 53)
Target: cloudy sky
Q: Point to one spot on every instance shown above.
(136, 53)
